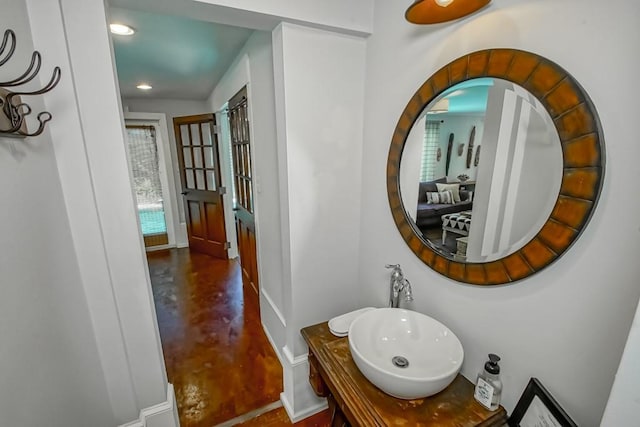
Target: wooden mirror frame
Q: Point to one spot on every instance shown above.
(580, 133)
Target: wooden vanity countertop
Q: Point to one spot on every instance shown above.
(363, 404)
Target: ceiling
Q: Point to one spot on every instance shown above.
(180, 57)
(469, 96)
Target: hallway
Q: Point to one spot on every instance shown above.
(216, 353)
(217, 356)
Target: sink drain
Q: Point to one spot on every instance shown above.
(400, 362)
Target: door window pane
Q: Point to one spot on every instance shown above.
(200, 185)
(190, 180)
(211, 180)
(187, 157)
(206, 134)
(197, 157)
(184, 135)
(208, 157)
(195, 135)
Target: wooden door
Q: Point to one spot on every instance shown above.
(243, 184)
(199, 162)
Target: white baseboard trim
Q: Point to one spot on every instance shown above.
(159, 248)
(307, 412)
(294, 361)
(298, 398)
(273, 307)
(164, 414)
(273, 323)
(241, 419)
(273, 344)
(182, 240)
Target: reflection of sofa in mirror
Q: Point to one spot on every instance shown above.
(429, 215)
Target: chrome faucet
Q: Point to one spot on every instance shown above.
(397, 285)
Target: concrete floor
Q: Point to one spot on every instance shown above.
(222, 366)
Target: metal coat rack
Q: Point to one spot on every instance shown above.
(12, 107)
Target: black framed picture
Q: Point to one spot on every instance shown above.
(537, 408)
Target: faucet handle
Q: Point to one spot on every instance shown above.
(396, 273)
(408, 294)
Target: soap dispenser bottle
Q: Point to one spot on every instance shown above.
(488, 386)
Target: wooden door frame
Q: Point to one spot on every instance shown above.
(167, 181)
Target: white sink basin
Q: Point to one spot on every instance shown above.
(385, 339)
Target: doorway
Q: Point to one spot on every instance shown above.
(206, 296)
(221, 363)
(191, 296)
(152, 184)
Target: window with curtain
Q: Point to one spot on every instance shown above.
(430, 150)
(144, 162)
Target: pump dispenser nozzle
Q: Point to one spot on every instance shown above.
(492, 365)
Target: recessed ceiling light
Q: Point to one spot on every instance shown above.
(144, 86)
(121, 29)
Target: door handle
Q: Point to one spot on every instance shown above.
(184, 193)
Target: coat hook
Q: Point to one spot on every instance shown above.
(13, 110)
(9, 37)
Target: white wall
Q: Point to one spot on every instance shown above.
(624, 401)
(412, 166)
(540, 175)
(520, 177)
(170, 108)
(460, 125)
(319, 99)
(103, 146)
(88, 140)
(567, 324)
(51, 372)
(253, 67)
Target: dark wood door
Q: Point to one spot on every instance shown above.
(243, 184)
(199, 162)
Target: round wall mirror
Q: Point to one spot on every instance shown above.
(495, 166)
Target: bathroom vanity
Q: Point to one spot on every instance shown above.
(354, 401)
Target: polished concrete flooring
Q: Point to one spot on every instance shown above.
(216, 353)
(279, 418)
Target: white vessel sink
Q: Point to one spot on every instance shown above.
(384, 340)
